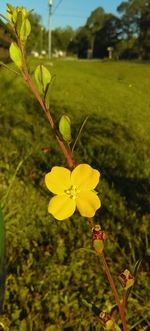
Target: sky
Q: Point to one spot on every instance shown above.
(64, 12)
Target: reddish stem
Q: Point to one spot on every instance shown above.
(65, 149)
(113, 287)
(124, 301)
(91, 223)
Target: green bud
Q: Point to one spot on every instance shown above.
(98, 246)
(42, 77)
(15, 54)
(10, 11)
(65, 128)
(19, 18)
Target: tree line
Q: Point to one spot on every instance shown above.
(128, 34)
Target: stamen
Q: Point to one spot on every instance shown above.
(72, 192)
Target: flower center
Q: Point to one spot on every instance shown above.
(72, 192)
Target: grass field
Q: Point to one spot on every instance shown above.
(50, 265)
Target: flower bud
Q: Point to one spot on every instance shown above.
(126, 279)
(65, 128)
(106, 320)
(98, 237)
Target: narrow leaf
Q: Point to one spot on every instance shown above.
(7, 67)
(5, 18)
(136, 269)
(79, 133)
(137, 266)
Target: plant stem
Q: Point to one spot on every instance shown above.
(124, 301)
(113, 287)
(66, 151)
(69, 158)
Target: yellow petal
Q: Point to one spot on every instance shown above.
(58, 180)
(61, 207)
(85, 177)
(88, 203)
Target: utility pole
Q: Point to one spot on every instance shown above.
(50, 2)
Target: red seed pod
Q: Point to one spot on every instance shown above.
(98, 237)
(98, 233)
(126, 279)
(104, 317)
(106, 320)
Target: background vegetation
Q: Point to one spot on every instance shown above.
(50, 264)
(128, 33)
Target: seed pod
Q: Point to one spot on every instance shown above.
(98, 238)
(126, 279)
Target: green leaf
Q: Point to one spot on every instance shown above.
(2, 260)
(15, 54)
(47, 96)
(19, 22)
(23, 26)
(42, 77)
(14, 15)
(26, 29)
(65, 128)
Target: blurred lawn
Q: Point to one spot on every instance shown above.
(49, 263)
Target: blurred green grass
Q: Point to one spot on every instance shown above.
(45, 260)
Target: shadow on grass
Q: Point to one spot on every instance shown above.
(122, 158)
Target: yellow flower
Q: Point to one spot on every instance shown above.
(73, 190)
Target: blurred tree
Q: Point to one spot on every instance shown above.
(106, 36)
(127, 49)
(100, 31)
(61, 37)
(81, 43)
(84, 37)
(136, 23)
(96, 20)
